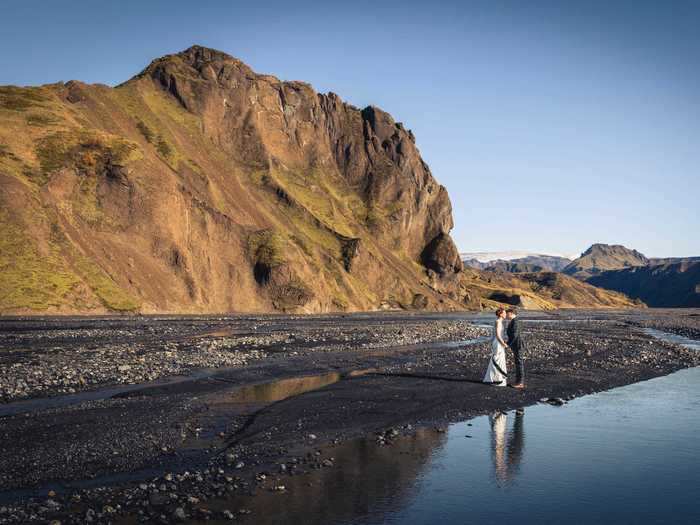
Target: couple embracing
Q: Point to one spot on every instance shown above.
(496, 372)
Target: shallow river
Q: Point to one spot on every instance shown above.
(629, 455)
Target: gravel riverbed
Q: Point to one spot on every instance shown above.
(281, 397)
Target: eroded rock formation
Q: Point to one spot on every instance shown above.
(202, 186)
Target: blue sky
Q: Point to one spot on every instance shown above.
(552, 124)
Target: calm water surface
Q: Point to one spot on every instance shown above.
(629, 455)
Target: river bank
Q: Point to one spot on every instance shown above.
(279, 395)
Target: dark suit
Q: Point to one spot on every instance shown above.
(517, 345)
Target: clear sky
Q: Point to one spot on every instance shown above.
(552, 124)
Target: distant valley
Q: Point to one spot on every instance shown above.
(657, 282)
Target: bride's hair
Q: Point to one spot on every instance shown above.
(499, 311)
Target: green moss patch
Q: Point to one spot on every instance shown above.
(164, 148)
(87, 151)
(107, 291)
(267, 247)
(29, 279)
(41, 120)
(145, 131)
(34, 280)
(21, 99)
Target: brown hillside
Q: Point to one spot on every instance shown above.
(201, 186)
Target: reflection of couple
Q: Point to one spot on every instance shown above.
(507, 447)
(496, 373)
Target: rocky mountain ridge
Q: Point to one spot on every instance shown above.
(601, 257)
(659, 282)
(202, 186)
(515, 262)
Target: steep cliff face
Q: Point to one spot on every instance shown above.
(288, 129)
(200, 185)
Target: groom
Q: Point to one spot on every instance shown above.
(517, 345)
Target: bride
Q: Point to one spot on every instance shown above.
(496, 371)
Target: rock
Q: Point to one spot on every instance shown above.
(441, 255)
(158, 499)
(556, 401)
(420, 301)
(179, 514)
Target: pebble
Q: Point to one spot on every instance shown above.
(556, 401)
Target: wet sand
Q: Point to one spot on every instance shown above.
(175, 412)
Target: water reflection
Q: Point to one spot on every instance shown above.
(507, 447)
(283, 388)
(364, 477)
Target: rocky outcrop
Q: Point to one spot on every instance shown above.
(202, 186)
(441, 256)
(287, 126)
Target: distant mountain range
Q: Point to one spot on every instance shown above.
(659, 282)
(515, 262)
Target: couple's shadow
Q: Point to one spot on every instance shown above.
(434, 377)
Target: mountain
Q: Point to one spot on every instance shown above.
(201, 186)
(672, 260)
(511, 255)
(661, 285)
(474, 263)
(514, 267)
(530, 263)
(602, 257)
(514, 261)
(660, 282)
(541, 290)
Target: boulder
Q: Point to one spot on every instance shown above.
(441, 256)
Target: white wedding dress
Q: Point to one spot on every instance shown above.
(496, 371)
